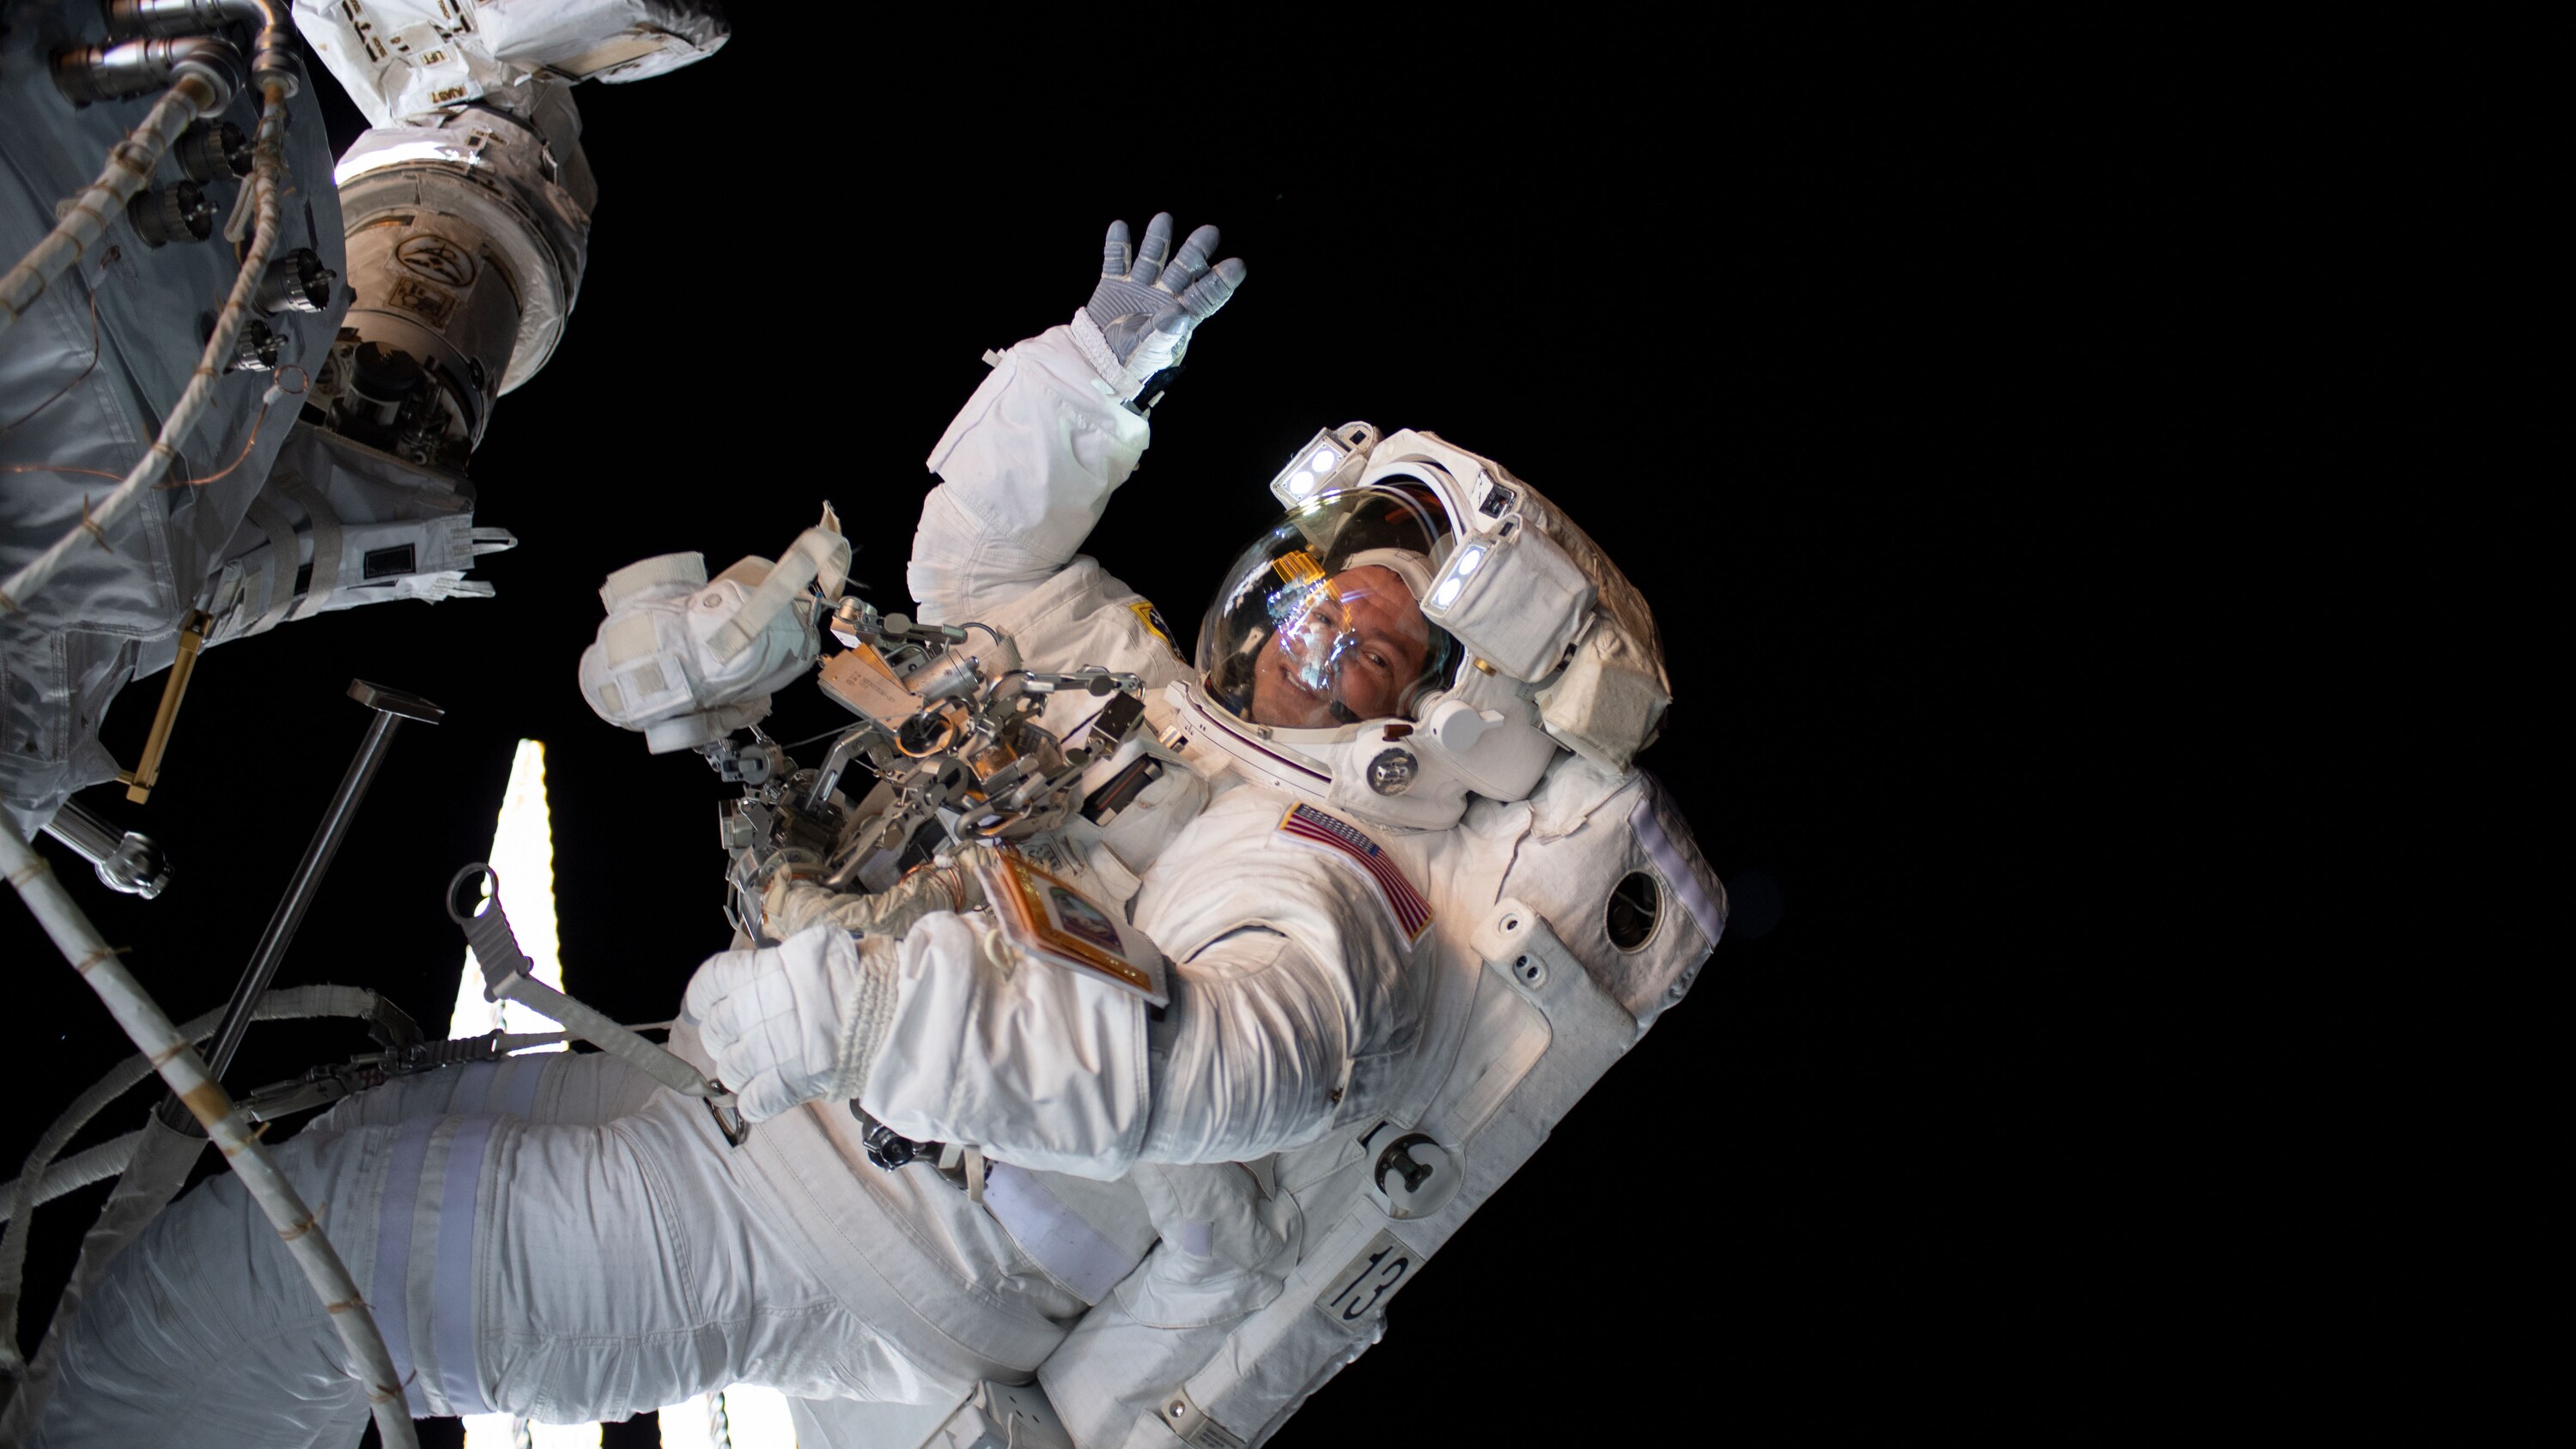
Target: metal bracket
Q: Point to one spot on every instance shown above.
(147, 772)
(1193, 1426)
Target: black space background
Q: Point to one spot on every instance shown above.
(1905, 370)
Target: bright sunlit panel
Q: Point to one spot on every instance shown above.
(523, 856)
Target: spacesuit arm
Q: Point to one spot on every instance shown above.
(1025, 471)
(947, 1035)
(1051, 1068)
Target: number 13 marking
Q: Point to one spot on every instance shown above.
(1379, 1273)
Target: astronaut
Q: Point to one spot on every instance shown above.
(559, 1238)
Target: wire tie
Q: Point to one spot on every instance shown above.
(90, 526)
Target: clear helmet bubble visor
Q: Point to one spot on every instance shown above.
(1318, 624)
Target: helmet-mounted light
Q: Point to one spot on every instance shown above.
(1329, 460)
(1461, 569)
(1514, 598)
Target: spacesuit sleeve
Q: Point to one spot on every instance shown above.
(1025, 470)
(1053, 1069)
(1248, 1058)
(1039, 1065)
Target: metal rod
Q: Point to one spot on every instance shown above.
(391, 709)
(299, 892)
(83, 831)
(306, 1242)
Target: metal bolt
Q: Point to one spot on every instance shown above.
(176, 212)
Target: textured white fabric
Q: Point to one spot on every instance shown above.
(610, 1254)
(1285, 974)
(1026, 468)
(1288, 979)
(1035, 1063)
(1072, 1251)
(687, 660)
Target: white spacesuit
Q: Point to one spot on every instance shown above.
(1302, 880)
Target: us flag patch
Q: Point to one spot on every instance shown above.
(1316, 830)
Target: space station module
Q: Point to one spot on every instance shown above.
(407, 285)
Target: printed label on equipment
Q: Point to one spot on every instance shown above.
(1209, 1434)
(861, 682)
(1048, 917)
(1358, 1293)
(437, 258)
(427, 303)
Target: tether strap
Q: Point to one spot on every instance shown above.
(819, 554)
(283, 556)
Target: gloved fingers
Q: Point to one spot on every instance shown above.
(745, 1005)
(1116, 255)
(1210, 292)
(767, 1094)
(1191, 264)
(717, 977)
(1158, 245)
(762, 1055)
(726, 1020)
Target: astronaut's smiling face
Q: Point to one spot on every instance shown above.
(1349, 652)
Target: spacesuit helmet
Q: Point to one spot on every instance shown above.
(1318, 623)
(1418, 627)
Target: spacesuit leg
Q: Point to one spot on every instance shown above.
(566, 1272)
(584, 1088)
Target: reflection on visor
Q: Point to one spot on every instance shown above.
(1298, 567)
(1344, 647)
(1312, 632)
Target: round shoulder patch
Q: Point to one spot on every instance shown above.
(1152, 619)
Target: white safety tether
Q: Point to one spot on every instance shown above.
(819, 557)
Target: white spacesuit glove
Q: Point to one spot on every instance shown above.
(687, 660)
(1139, 319)
(797, 1021)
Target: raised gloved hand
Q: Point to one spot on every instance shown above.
(1139, 318)
(796, 1021)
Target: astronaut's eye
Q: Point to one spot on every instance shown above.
(1634, 905)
